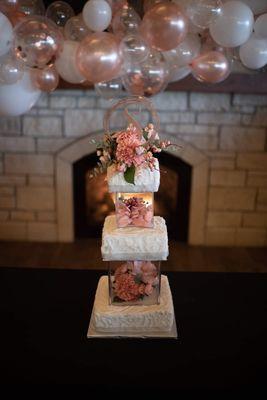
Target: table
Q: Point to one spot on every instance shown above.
(221, 320)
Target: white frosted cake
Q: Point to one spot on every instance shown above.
(119, 319)
(145, 180)
(134, 243)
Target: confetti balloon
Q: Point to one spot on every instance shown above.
(6, 34)
(38, 41)
(201, 12)
(164, 26)
(126, 20)
(59, 12)
(75, 28)
(11, 69)
(147, 78)
(233, 25)
(97, 15)
(211, 67)
(98, 57)
(134, 48)
(18, 98)
(66, 63)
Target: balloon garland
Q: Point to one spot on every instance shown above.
(113, 47)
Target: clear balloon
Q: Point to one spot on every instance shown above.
(109, 90)
(66, 63)
(202, 12)
(164, 26)
(45, 79)
(75, 28)
(260, 27)
(253, 53)
(177, 74)
(31, 7)
(59, 12)
(11, 69)
(97, 15)
(233, 26)
(15, 17)
(6, 34)
(38, 41)
(211, 67)
(126, 20)
(98, 57)
(18, 98)
(134, 48)
(183, 54)
(147, 78)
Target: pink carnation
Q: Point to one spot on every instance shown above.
(126, 288)
(129, 145)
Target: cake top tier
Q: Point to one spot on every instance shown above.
(129, 154)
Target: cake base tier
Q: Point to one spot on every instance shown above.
(132, 321)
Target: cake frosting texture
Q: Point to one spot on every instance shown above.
(145, 180)
(134, 243)
(110, 318)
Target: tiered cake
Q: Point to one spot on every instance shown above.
(134, 297)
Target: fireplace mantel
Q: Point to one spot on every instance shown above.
(235, 83)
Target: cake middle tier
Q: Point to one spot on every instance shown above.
(133, 243)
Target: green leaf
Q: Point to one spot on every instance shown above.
(129, 174)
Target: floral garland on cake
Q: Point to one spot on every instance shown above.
(129, 149)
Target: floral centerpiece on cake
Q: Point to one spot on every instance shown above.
(129, 149)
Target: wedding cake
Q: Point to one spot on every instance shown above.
(134, 297)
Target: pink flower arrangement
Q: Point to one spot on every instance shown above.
(134, 280)
(129, 149)
(134, 212)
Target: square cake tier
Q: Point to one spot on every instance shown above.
(118, 319)
(134, 243)
(145, 180)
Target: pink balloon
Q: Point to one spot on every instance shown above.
(98, 57)
(45, 79)
(211, 67)
(164, 26)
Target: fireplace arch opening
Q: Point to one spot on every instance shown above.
(93, 202)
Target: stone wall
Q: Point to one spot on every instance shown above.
(230, 130)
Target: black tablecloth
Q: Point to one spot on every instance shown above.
(221, 320)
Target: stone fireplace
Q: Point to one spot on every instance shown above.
(223, 138)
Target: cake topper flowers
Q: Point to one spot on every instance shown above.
(131, 147)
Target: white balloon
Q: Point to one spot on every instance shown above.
(260, 27)
(234, 24)
(253, 53)
(6, 34)
(66, 63)
(18, 98)
(183, 54)
(97, 15)
(257, 6)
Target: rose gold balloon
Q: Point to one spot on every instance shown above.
(151, 3)
(116, 4)
(211, 67)
(164, 26)
(45, 79)
(98, 57)
(8, 5)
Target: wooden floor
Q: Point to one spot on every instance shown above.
(85, 254)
